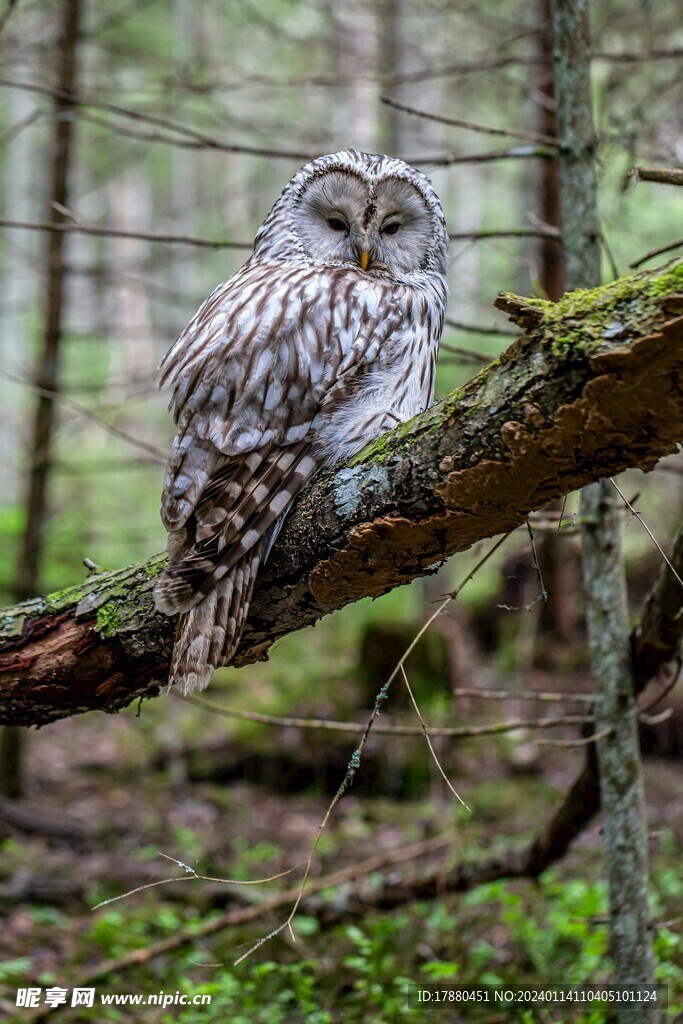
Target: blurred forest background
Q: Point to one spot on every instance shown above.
(120, 214)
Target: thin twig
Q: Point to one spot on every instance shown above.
(637, 56)
(663, 716)
(642, 522)
(192, 875)
(19, 126)
(583, 741)
(553, 526)
(560, 518)
(478, 236)
(541, 695)
(107, 232)
(453, 594)
(535, 563)
(465, 355)
(158, 455)
(426, 731)
(222, 243)
(528, 152)
(420, 75)
(656, 252)
(521, 607)
(458, 325)
(474, 126)
(151, 136)
(611, 259)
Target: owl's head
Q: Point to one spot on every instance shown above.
(376, 213)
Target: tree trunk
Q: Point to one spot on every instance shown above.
(558, 616)
(47, 370)
(590, 389)
(618, 752)
(619, 764)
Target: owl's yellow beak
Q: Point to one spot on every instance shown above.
(364, 259)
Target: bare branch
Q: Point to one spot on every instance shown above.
(538, 232)
(458, 325)
(206, 141)
(657, 252)
(474, 126)
(659, 175)
(463, 355)
(157, 454)
(452, 159)
(449, 732)
(532, 695)
(105, 232)
(639, 517)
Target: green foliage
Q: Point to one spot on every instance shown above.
(107, 621)
(271, 994)
(497, 935)
(13, 971)
(564, 944)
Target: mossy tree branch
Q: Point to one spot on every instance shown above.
(592, 387)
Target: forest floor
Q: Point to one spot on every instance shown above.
(102, 804)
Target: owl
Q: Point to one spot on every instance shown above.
(326, 338)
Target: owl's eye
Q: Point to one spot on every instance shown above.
(336, 225)
(390, 229)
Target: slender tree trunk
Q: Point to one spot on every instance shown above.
(47, 370)
(578, 188)
(557, 557)
(619, 764)
(27, 582)
(18, 284)
(550, 254)
(618, 753)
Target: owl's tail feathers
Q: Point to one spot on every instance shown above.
(208, 634)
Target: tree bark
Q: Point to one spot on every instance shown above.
(559, 614)
(620, 767)
(591, 388)
(47, 371)
(27, 579)
(618, 752)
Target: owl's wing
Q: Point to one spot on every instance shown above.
(250, 373)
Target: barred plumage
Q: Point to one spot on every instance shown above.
(326, 338)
